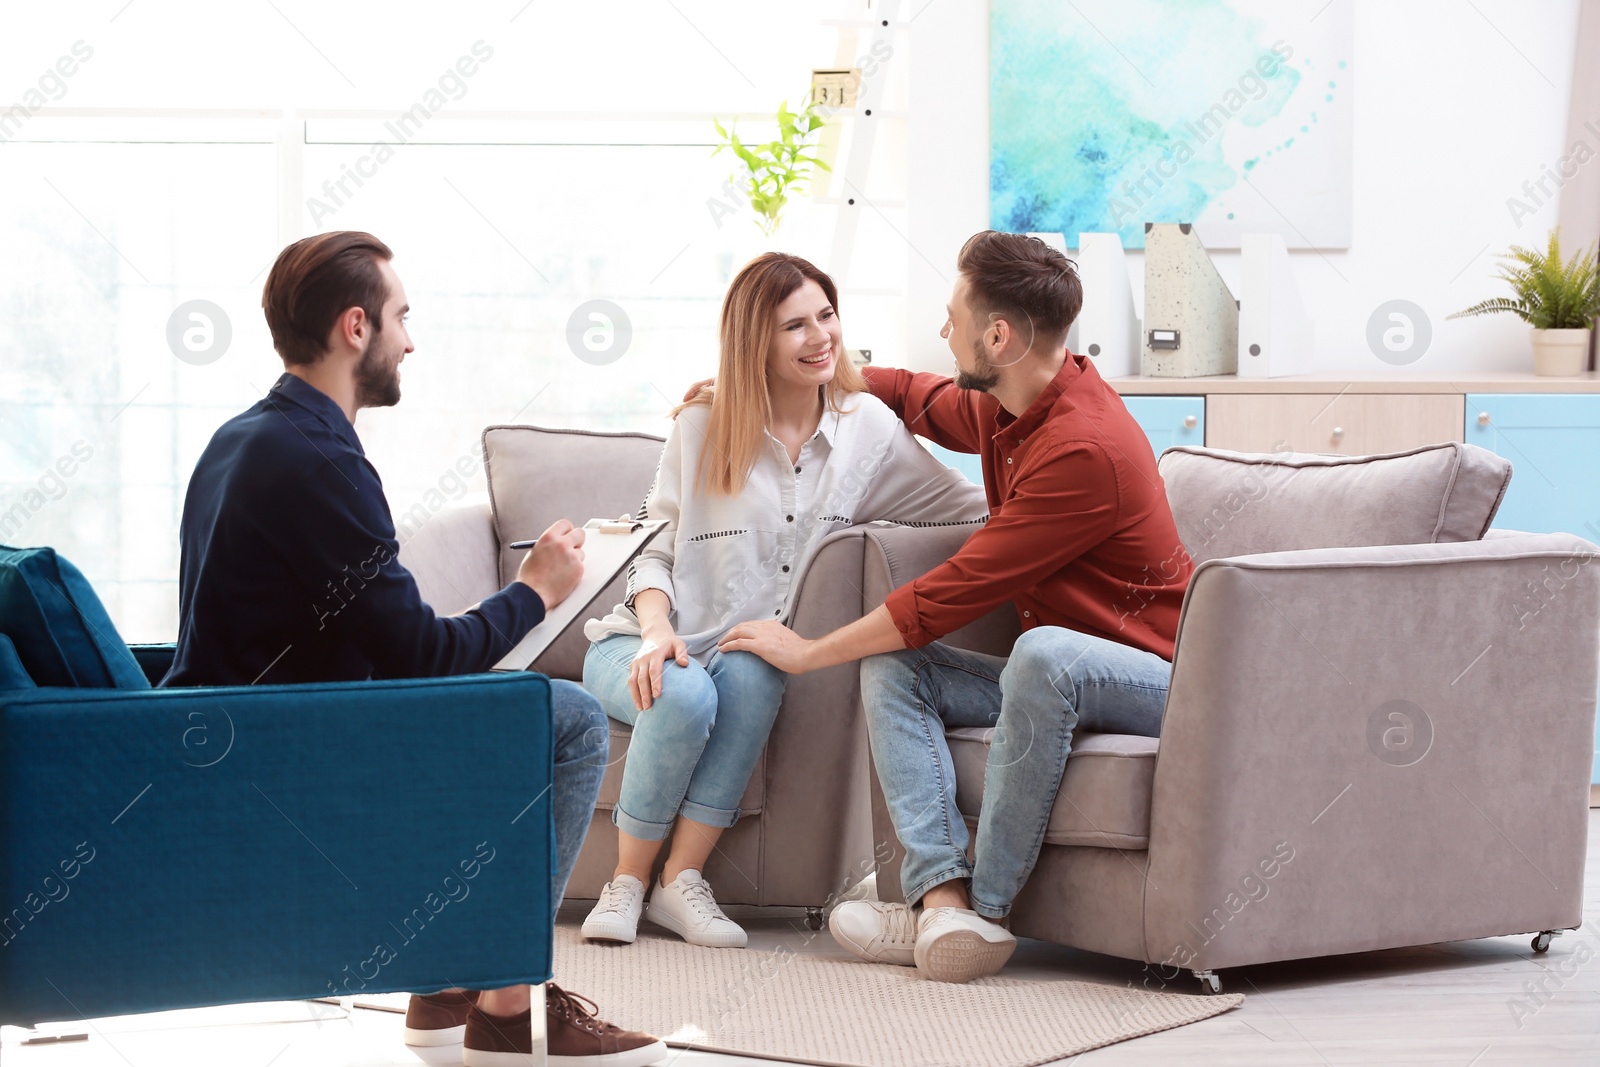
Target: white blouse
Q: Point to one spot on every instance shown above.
(723, 560)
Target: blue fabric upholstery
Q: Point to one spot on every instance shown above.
(186, 847)
(13, 675)
(62, 633)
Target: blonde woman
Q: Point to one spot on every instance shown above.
(786, 449)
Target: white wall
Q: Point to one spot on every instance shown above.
(1450, 121)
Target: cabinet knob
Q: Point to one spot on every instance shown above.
(1483, 418)
(1190, 422)
(1338, 432)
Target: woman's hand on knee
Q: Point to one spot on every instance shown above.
(644, 673)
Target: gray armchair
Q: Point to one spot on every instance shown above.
(1378, 732)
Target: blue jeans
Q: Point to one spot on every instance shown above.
(1056, 681)
(581, 743)
(693, 751)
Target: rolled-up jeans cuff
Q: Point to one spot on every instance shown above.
(721, 818)
(915, 893)
(644, 831)
(989, 911)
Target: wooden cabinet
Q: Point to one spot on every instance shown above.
(1349, 423)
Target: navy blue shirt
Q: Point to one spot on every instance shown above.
(289, 567)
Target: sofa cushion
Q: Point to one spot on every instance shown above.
(1104, 798)
(13, 675)
(1238, 503)
(61, 632)
(537, 476)
(611, 785)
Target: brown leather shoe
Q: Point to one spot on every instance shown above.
(438, 1018)
(575, 1037)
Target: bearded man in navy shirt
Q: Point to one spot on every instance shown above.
(289, 573)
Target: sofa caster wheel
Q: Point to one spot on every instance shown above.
(1541, 940)
(814, 918)
(1210, 984)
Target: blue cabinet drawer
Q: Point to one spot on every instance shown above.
(1169, 420)
(1553, 443)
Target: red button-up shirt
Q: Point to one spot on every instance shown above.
(1080, 533)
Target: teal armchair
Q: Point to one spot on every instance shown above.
(177, 848)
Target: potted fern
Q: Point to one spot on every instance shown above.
(1559, 300)
(777, 168)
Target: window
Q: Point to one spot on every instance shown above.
(537, 160)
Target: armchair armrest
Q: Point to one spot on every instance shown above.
(453, 553)
(1372, 747)
(186, 847)
(899, 554)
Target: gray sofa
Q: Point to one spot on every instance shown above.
(804, 835)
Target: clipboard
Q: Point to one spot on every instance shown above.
(611, 544)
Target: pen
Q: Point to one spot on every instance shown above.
(523, 544)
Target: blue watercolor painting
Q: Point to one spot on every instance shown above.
(1231, 114)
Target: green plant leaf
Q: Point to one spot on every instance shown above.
(776, 168)
(1547, 293)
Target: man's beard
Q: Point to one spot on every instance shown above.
(377, 378)
(983, 377)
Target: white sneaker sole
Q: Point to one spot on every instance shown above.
(472, 1057)
(611, 930)
(449, 1035)
(962, 955)
(735, 938)
(642, 1056)
(862, 952)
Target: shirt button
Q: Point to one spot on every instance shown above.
(1008, 459)
(786, 568)
(788, 518)
(797, 470)
(777, 611)
(1027, 614)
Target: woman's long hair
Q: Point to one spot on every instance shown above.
(740, 405)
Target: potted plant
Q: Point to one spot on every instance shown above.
(775, 169)
(1559, 300)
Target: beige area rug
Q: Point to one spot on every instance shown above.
(781, 1004)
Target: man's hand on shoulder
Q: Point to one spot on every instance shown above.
(554, 566)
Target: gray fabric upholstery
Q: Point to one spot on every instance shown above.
(537, 476)
(1289, 671)
(1105, 793)
(1235, 503)
(896, 557)
(452, 557)
(1286, 818)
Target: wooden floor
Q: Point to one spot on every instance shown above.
(1454, 1003)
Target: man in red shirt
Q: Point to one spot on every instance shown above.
(1080, 540)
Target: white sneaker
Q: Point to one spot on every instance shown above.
(687, 908)
(876, 932)
(616, 914)
(958, 945)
